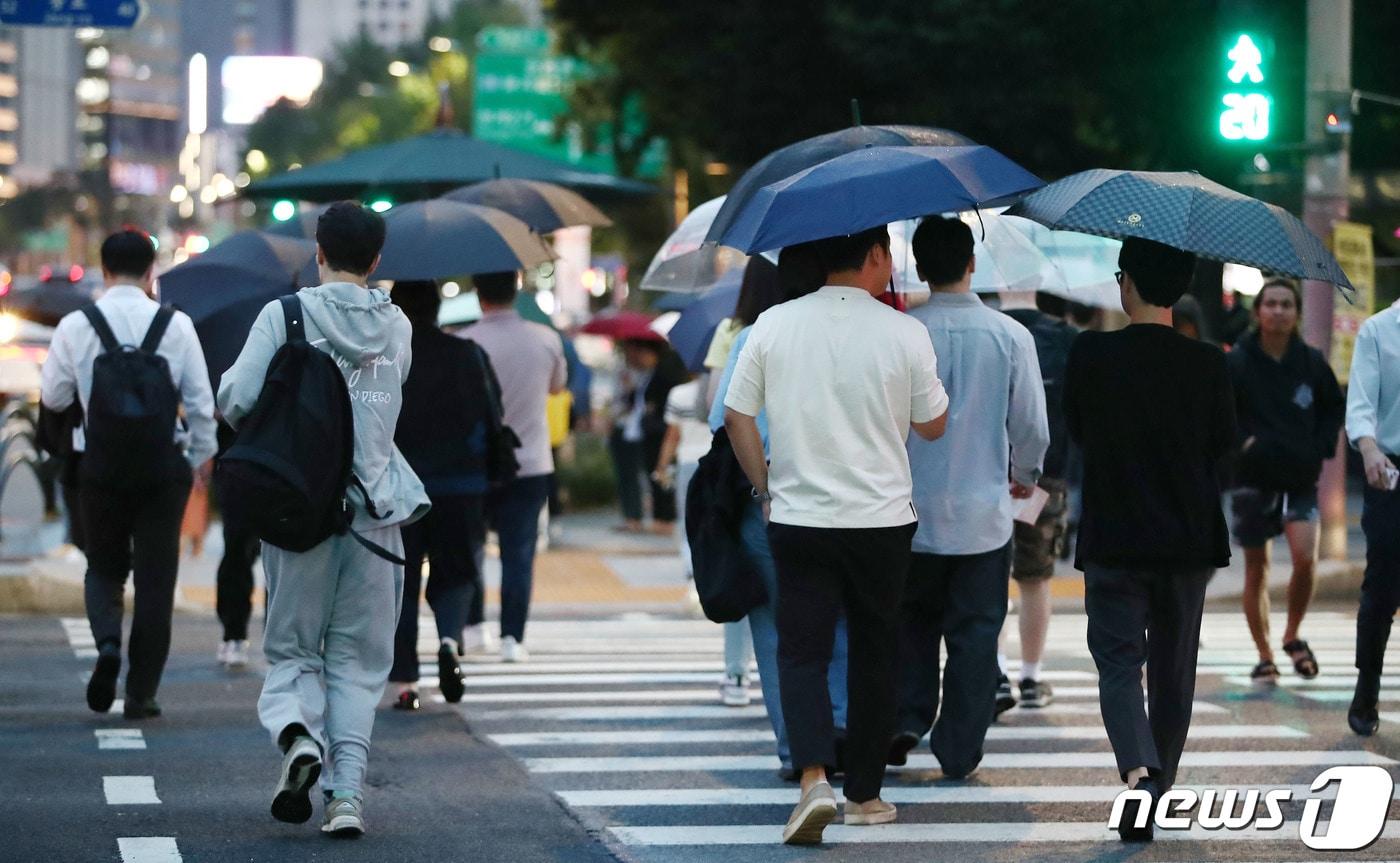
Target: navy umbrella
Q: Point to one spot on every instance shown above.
(223, 289)
(1188, 212)
(543, 206)
(437, 239)
(697, 269)
(693, 330)
(876, 186)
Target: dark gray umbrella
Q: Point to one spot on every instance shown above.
(437, 239)
(1188, 212)
(543, 206)
(48, 303)
(223, 289)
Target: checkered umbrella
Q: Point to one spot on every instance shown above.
(1186, 211)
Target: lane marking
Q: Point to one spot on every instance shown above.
(130, 790)
(787, 796)
(149, 849)
(640, 695)
(991, 761)
(1003, 833)
(119, 738)
(653, 712)
(763, 735)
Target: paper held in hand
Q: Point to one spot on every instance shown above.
(1028, 510)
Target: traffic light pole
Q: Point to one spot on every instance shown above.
(1325, 189)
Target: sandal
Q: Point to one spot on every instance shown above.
(1304, 662)
(1264, 672)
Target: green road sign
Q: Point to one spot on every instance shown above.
(522, 91)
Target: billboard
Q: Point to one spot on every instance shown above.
(252, 84)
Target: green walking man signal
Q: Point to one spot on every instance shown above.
(1245, 107)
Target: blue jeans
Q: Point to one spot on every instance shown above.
(514, 511)
(763, 624)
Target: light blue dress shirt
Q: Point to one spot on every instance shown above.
(717, 409)
(997, 428)
(1373, 393)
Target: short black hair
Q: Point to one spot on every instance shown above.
(1160, 272)
(800, 271)
(350, 236)
(1051, 304)
(128, 253)
(419, 300)
(1291, 285)
(942, 249)
(496, 288)
(849, 252)
(761, 290)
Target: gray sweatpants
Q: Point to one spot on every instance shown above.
(329, 640)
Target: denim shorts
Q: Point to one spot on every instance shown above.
(1260, 515)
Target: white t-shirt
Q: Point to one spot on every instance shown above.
(842, 376)
(685, 408)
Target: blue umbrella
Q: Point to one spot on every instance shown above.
(438, 239)
(1188, 212)
(876, 186)
(223, 289)
(693, 330)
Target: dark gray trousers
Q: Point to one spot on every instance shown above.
(1380, 591)
(959, 600)
(1138, 617)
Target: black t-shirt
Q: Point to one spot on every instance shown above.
(1154, 414)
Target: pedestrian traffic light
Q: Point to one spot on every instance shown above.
(381, 205)
(1246, 104)
(284, 210)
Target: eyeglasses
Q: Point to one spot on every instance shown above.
(1118, 277)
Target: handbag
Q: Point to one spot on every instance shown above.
(501, 440)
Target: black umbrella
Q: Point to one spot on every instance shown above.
(543, 206)
(786, 161)
(223, 289)
(437, 239)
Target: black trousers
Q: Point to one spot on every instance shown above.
(448, 536)
(821, 572)
(1380, 589)
(633, 462)
(960, 600)
(234, 596)
(138, 532)
(1138, 617)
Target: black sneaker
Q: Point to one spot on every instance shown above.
(1128, 830)
(407, 700)
(1036, 694)
(900, 746)
(1005, 700)
(1363, 717)
(140, 708)
(102, 686)
(450, 678)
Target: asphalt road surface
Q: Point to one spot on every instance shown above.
(611, 742)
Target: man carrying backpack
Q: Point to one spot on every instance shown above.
(332, 607)
(132, 364)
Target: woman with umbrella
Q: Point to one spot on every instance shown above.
(1289, 409)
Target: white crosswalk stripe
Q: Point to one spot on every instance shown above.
(621, 719)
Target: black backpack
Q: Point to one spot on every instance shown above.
(287, 474)
(132, 410)
(725, 580)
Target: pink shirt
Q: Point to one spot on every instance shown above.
(528, 359)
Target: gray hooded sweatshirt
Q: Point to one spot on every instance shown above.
(370, 339)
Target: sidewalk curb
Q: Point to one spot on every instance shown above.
(40, 586)
(1335, 581)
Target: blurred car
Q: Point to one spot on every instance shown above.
(56, 291)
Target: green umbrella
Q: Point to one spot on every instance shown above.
(431, 164)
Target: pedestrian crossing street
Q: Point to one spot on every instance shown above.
(620, 718)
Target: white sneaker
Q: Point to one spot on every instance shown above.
(235, 654)
(512, 650)
(344, 817)
(223, 652)
(734, 692)
(477, 639)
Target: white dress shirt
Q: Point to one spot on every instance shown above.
(996, 427)
(1373, 393)
(67, 372)
(841, 376)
